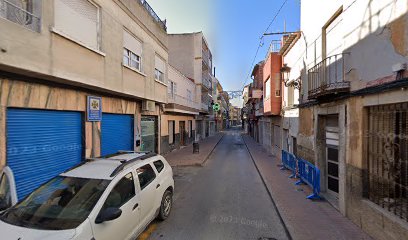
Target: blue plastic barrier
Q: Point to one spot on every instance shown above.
(289, 162)
(310, 175)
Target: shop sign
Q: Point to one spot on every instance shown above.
(94, 109)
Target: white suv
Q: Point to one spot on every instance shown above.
(114, 197)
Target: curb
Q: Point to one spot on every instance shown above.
(208, 156)
(269, 192)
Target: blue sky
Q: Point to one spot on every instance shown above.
(232, 28)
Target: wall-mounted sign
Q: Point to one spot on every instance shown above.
(256, 93)
(94, 109)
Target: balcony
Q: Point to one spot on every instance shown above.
(259, 109)
(19, 15)
(182, 101)
(153, 14)
(327, 77)
(206, 60)
(207, 83)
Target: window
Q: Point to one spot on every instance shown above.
(171, 89)
(190, 126)
(386, 142)
(268, 88)
(78, 19)
(277, 93)
(189, 96)
(121, 193)
(171, 132)
(160, 68)
(131, 60)
(25, 13)
(159, 165)
(64, 202)
(158, 75)
(146, 175)
(132, 51)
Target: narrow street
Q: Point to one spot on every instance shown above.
(224, 199)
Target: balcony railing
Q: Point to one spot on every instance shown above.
(182, 100)
(153, 14)
(19, 15)
(327, 77)
(206, 59)
(275, 46)
(207, 83)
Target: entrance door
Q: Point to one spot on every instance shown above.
(332, 159)
(182, 125)
(148, 132)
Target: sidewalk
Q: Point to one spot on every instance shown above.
(185, 156)
(305, 219)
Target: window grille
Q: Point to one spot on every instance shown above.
(25, 13)
(387, 158)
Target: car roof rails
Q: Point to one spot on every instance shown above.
(87, 160)
(125, 163)
(121, 152)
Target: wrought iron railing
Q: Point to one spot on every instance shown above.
(328, 77)
(207, 81)
(275, 46)
(386, 182)
(153, 14)
(206, 59)
(19, 15)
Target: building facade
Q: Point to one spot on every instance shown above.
(114, 52)
(178, 126)
(351, 60)
(191, 55)
(271, 121)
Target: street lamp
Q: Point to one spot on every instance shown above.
(285, 70)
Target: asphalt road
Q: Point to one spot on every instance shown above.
(225, 199)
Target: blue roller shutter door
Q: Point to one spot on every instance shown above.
(41, 144)
(117, 133)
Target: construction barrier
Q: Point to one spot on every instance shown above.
(289, 162)
(307, 172)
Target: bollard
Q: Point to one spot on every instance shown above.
(196, 147)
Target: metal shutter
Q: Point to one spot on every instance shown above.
(41, 144)
(117, 133)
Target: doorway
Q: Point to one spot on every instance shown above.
(149, 133)
(182, 127)
(332, 154)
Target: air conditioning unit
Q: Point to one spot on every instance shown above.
(148, 105)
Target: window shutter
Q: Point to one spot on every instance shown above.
(78, 19)
(160, 64)
(175, 88)
(131, 43)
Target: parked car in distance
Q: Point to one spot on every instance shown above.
(114, 197)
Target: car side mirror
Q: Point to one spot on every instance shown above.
(108, 214)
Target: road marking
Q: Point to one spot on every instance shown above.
(146, 234)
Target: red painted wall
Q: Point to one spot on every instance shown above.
(272, 105)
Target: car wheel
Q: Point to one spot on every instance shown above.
(166, 204)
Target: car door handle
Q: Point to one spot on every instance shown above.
(158, 185)
(136, 205)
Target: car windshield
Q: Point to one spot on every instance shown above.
(62, 203)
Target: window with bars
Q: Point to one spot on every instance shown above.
(387, 158)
